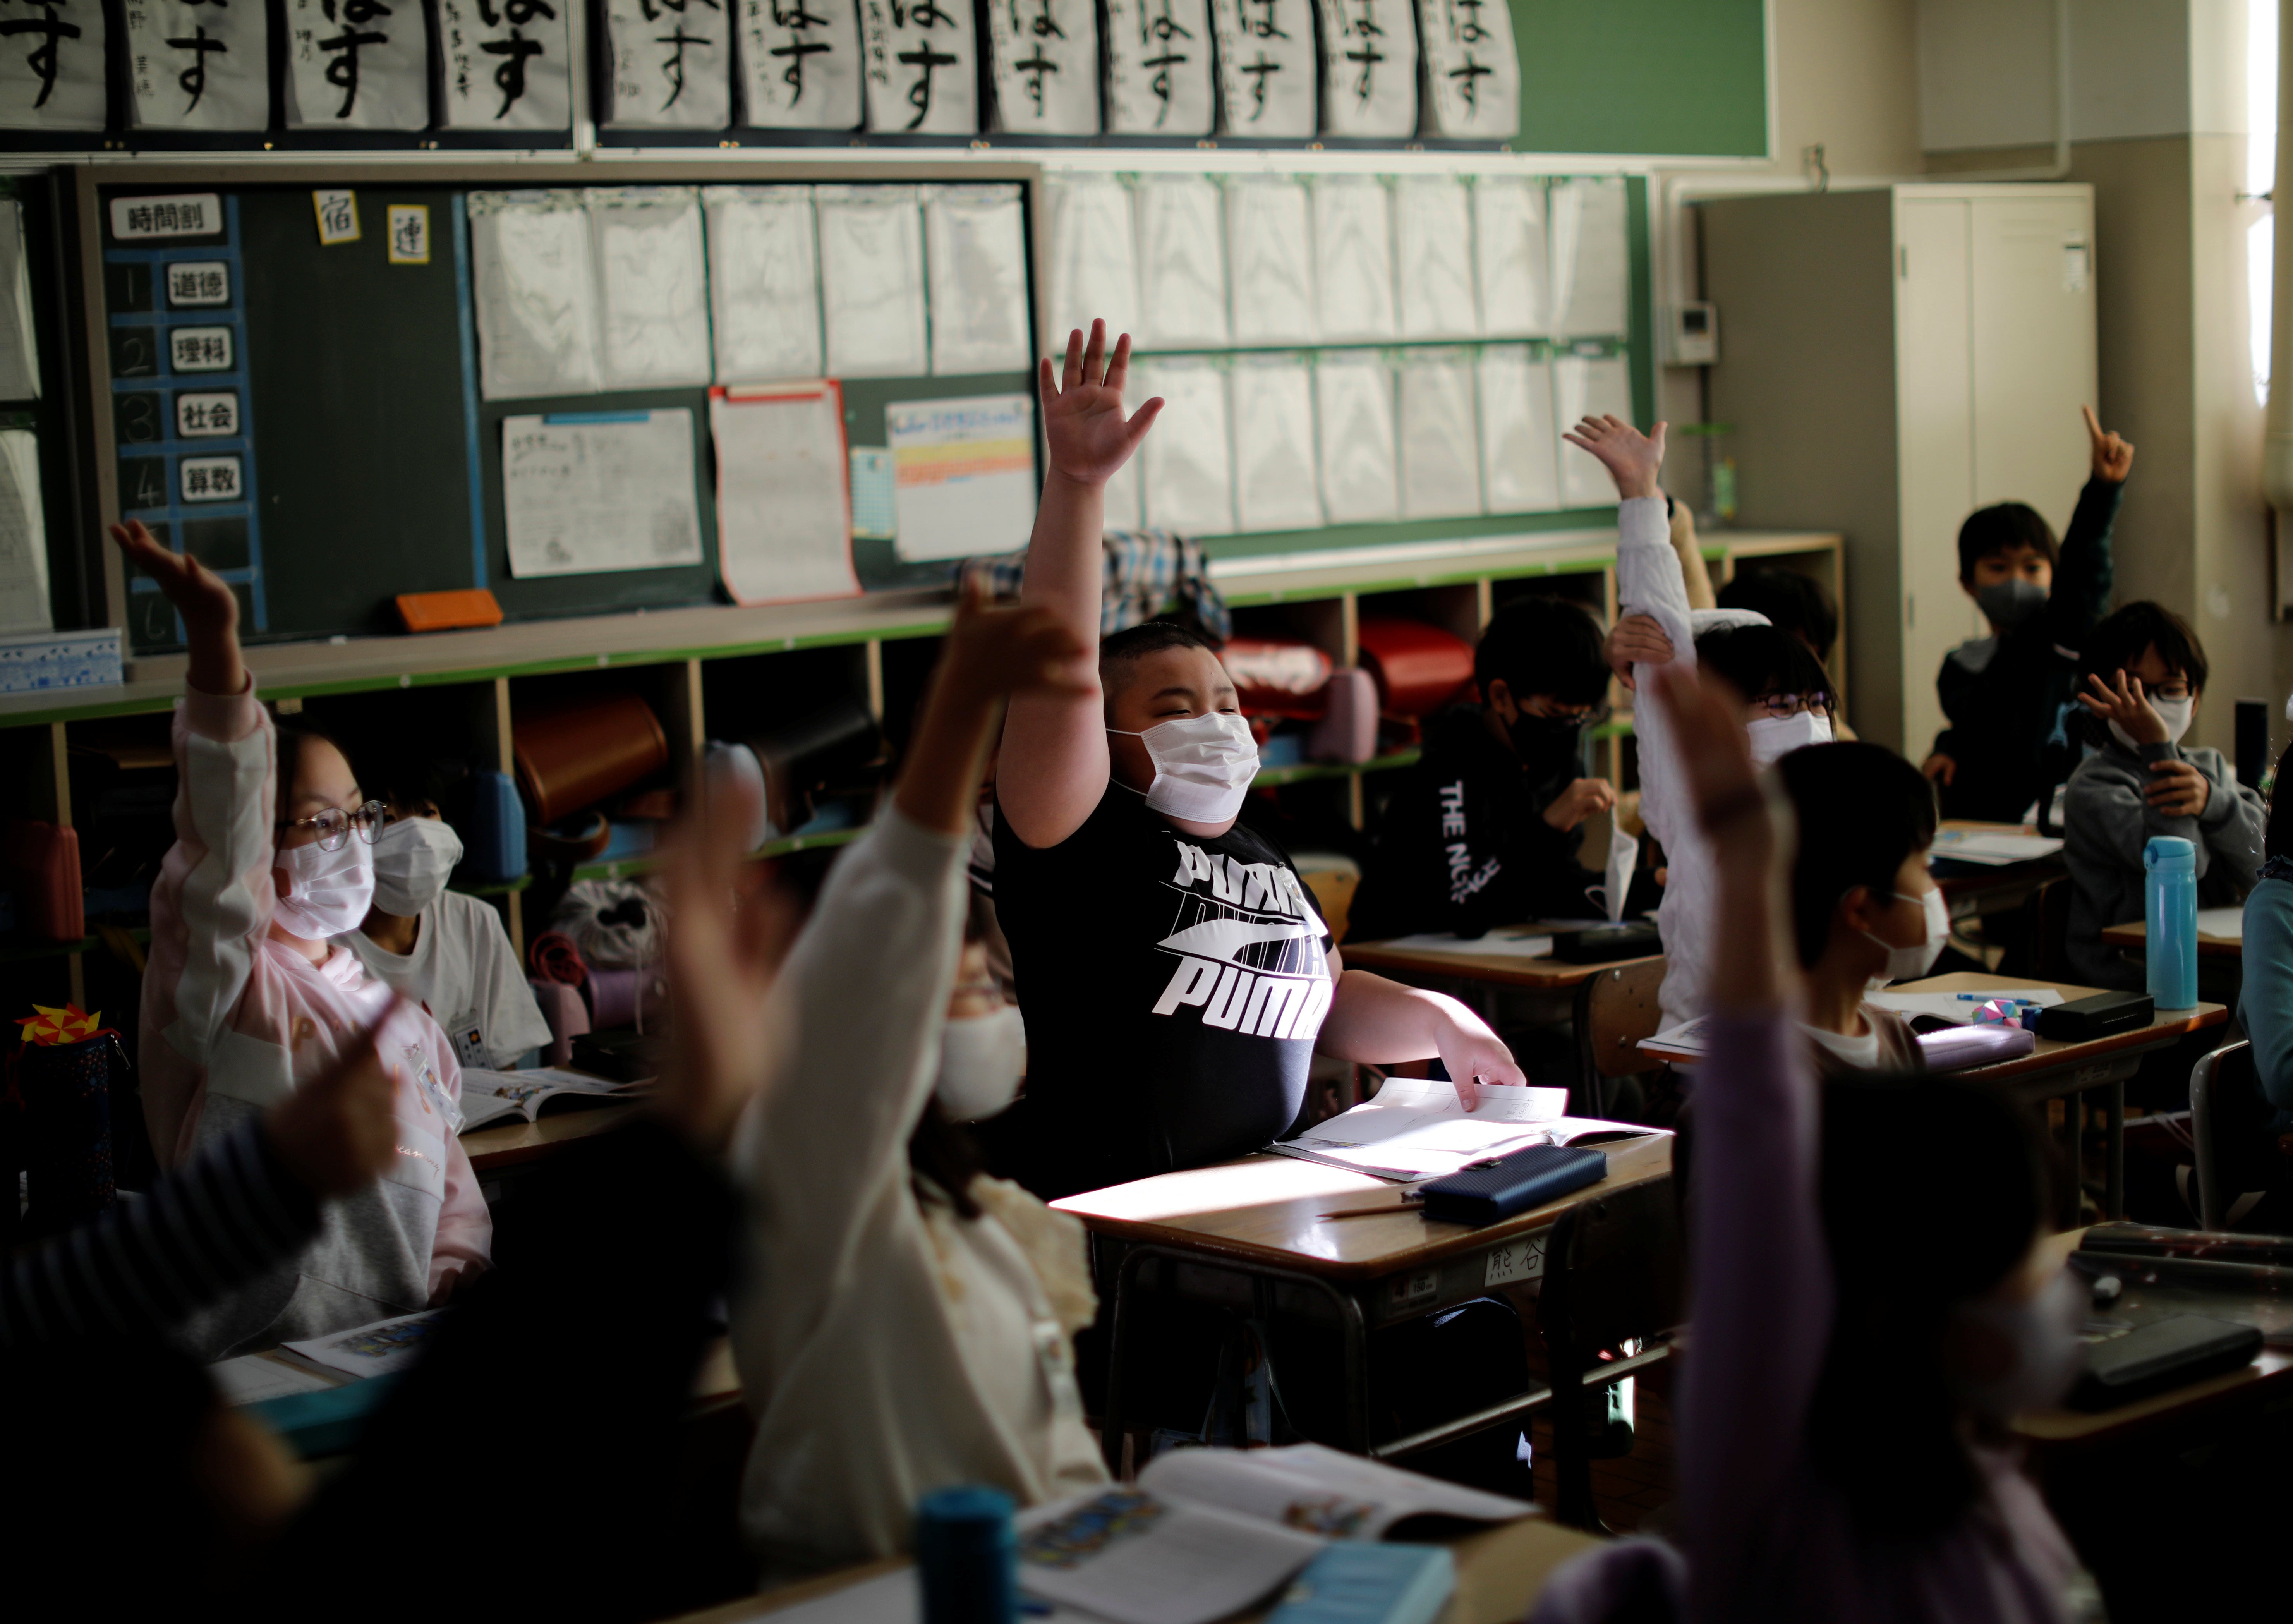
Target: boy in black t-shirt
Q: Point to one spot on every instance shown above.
(1485, 829)
(1174, 974)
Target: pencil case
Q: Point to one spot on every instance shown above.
(2163, 1355)
(1607, 943)
(2096, 1017)
(1956, 1047)
(1513, 1183)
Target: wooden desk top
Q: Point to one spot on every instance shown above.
(505, 1144)
(2209, 946)
(2054, 1055)
(1268, 1209)
(1499, 969)
(1999, 884)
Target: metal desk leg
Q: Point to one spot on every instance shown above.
(1111, 1435)
(2113, 1188)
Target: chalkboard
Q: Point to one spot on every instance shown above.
(1673, 76)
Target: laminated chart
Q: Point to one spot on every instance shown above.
(587, 491)
(963, 475)
(783, 495)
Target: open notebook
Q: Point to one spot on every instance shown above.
(490, 1096)
(1415, 1129)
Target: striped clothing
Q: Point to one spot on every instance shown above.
(221, 1220)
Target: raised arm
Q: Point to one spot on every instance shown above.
(1054, 763)
(2082, 581)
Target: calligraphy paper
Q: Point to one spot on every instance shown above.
(534, 283)
(52, 65)
(1353, 258)
(1520, 471)
(1181, 263)
(1510, 260)
(505, 64)
(358, 65)
(799, 64)
(1369, 68)
(763, 282)
(199, 67)
(1269, 242)
(783, 493)
(1188, 473)
(1268, 72)
(975, 251)
(23, 536)
(1353, 412)
(963, 475)
(1159, 70)
(1440, 436)
(672, 64)
(1432, 234)
(1587, 386)
(1044, 56)
(1590, 273)
(1094, 256)
(653, 286)
(1473, 75)
(1275, 483)
(872, 281)
(922, 76)
(587, 493)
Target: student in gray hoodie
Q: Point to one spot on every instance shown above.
(2144, 673)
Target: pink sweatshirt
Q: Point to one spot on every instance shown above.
(233, 1019)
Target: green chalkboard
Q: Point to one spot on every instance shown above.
(1670, 76)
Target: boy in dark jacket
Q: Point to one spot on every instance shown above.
(2010, 694)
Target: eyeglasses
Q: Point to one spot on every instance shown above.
(1570, 722)
(1781, 705)
(333, 824)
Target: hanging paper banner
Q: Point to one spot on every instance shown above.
(800, 64)
(358, 65)
(1267, 70)
(672, 64)
(922, 67)
(1369, 69)
(197, 67)
(52, 65)
(506, 65)
(1158, 67)
(1045, 54)
(1472, 77)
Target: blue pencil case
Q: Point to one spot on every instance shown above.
(1513, 1183)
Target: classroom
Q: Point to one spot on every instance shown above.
(1149, 811)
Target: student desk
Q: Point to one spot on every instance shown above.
(516, 1141)
(1976, 888)
(2056, 1069)
(1542, 974)
(2211, 946)
(1255, 1231)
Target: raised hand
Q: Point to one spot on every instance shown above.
(996, 649)
(1940, 768)
(1632, 457)
(2113, 454)
(1636, 638)
(1088, 437)
(338, 1131)
(2124, 702)
(209, 608)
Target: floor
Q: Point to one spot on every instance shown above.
(1626, 1491)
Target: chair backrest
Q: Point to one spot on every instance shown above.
(2226, 1116)
(1614, 1269)
(1614, 1009)
(2046, 930)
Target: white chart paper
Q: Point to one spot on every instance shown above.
(1433, 237)
(1269, 75)
(1353, 258)
(591, 491)
(1512, 262)
(1269, 244)
(1126, 501)
(1275, 485)
(872, 281)
(357, 65)
(1590, 270)
(1188, 476)
(799, 64)
(1159, 72)
(1369, 69)
(783, 499)
(653, 286)
(975, 247)
(922, 58)
(1181, 263)
(19, 351)
(51, 73)
(1094, 256)
(198, 66)
(1520, 470)
(1353, 412)
(536, 291)
(763, 282)
(1472, 76)
(23, 536)
(1440, 436)
(671, 64)
(1044, 58)
(507, 64)
(1587, 387)
(963, 475)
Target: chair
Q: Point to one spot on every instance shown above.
(2229, 1121)
(1614, 1009)
(1613, 1274)
(2042, 950)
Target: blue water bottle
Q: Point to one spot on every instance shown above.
(2170, 921)
(968, 1556)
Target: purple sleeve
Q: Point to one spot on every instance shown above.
(1761, 1304)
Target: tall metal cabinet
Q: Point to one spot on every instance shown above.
(1892, 360)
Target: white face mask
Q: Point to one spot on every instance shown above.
(1774, 736)
(1203, 765)
(327, 892)
(982, 1059)
(2175, 713)
(1909, 963)
(412, 858)
(2043, 1330)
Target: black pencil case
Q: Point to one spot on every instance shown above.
(2164, 1354)
(1637, 940)
(2096, 1017)
(1513, 1183)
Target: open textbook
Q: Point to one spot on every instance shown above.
(489, 1096)
(1414, 1128)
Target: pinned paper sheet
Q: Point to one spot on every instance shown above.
(1520, 471)
(963, 475)
(1353, 410)
(20, 354)
(1441, 437)
(1269, 75)
(1275, 482)
(1512, 262)
(1159, 75)
(764, 283)
(23, 536)
(1582, 387)
(591, 491)
(506, 66)
(1473, 75)
(1181, 263)
(653, 286)
(1591, 267)
(1353, 258)
(1369, 69)
(975, 244)
(783, 508)
(535, 287)
(1094, 256)
(1433, 219)
(872, 281)
(192, 66)
(1043, 58)
(922, 72)
(371, 72)
(670, 66)
(1269, 238)
(800, 69)
(52, 73)
(1187, 476)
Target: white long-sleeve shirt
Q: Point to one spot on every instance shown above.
(889, 1346)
